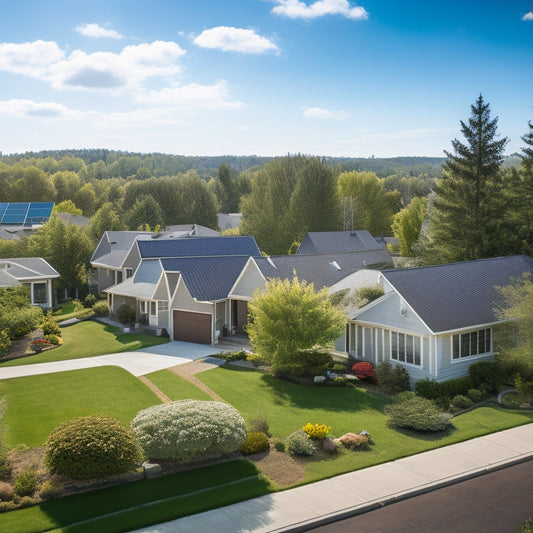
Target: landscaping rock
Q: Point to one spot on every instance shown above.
(328, 444)
(152, 470)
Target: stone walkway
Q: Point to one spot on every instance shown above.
(188, 371)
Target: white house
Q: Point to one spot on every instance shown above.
(436, 320)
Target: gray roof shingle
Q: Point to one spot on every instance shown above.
(207, 278)
(199, 247)
(457, 295)
(327, 242)
(23, 268)
(323, 270)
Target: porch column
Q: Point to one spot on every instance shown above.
(32, 299)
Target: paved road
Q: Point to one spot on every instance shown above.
(498, 502)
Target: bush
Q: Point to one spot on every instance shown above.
(511, 401)
(338, 368)
(5, 463)
(370, 293)
(476, 395)
(240, 355)
(5, 343)
(188, 430)
(50, 489)
(125, 314)
(419, 414)
(89, 301)
(255, 442)
(259, 424)
(365, 371)
(305, 363)
(460, 402)
(101, 309)
(298, 443)
(280, 445)
(20, 322)
(488, 372)
(316, 431)
(6, 492)
(443, 392)
(49, 326)
(52, 339)
(392, 379)
(354, 442)
(91, 447)
(25, 483)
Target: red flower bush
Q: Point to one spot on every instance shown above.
(365, 371)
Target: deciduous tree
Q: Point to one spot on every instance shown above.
(407, 224)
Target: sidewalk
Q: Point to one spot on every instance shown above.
(349, 494)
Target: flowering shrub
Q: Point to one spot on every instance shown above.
(319, 379)
(90, 447)
(365, 371)
(49, 326)
(316, 431)
(256, 442)
(39, 344)
(189, 429)
(298, 443)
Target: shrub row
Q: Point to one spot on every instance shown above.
(19, 322)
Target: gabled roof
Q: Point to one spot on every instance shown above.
(114, 247)
(457, 295)
(323, 270)
(25, 268)
(207, 278)
(326, 242)
(199, 247)
(143, 283)
(188, 230)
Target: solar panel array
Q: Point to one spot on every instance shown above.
(25, 213)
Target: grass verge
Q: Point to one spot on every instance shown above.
(142, 503)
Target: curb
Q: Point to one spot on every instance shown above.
(375, 505)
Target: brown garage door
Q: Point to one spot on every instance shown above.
(192, 327)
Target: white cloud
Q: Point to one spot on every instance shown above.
(30, 58)
(320, 8)
(29, 109)
(94, 30)
(320, 113)
(99, 71)
(528, 16)
(191, 97)
(235, 40)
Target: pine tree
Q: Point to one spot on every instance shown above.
(468, 209)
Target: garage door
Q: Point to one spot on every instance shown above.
(192, 327)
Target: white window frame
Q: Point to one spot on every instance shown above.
(462, 349)
(162, 305)
(153, 307)
(416, 342)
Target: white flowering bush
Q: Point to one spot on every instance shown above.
(188, 430)
(319, 379)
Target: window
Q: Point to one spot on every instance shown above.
(406, 348)
(129, 273)
(142, 306)
(162, 305)
(472, 343)
(39, 293)
(153, 308)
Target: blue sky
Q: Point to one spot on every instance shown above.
(264, 77)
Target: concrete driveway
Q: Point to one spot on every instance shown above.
(138, 362)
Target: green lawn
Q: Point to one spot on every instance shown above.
(87, 339)
(288, 406)
(37, 404)
(168, 498)
(175, 387)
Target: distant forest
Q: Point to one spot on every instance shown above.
(123, 164)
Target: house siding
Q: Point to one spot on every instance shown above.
(106, 278)
(250, 280)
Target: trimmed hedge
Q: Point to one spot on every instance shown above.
(91, 447)
(188, 430)
(392, 379)
(488, 372)
(443, 392)
(20, 322)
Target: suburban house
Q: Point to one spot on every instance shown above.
(34, 272)
(112, 258)
(327, 242)
(433, 320)
(197, 288)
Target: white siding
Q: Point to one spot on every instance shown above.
(250, 280)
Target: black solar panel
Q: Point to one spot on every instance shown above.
(25, 213)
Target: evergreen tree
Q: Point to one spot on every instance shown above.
(524, 198)
(469, 210)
